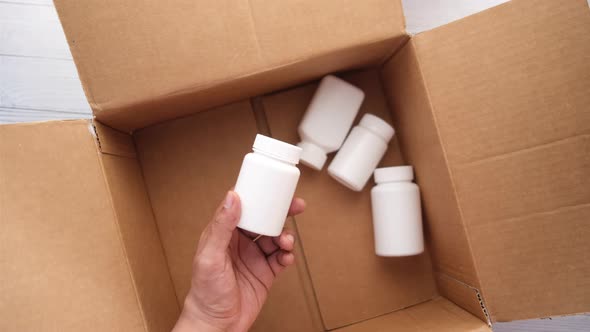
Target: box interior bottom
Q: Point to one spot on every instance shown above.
(189, 163)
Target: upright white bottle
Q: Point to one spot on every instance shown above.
(328, 119)
(397, 216)
(363, 149)
(266, 185)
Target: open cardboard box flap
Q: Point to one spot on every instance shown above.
(63, 225)
(508, 91)
(490, 110)
(167, 61)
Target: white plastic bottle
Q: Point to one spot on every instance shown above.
(328, 119)
(266, 185)
(363, 149)
(397, 216)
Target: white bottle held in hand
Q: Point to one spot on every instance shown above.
(266, 185)
(328, 119)
(397, 216)
(363, 149)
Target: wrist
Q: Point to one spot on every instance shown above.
(192, 318)
(188, 322)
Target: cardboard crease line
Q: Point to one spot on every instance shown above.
(446, 161)
(113, 107)
(158, 232)
(519, 151)
(120, 236)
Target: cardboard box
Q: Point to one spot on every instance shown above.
(99, 220)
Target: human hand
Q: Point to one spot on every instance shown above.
(232, 274)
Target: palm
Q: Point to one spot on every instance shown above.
(252, 278)
(231, 284)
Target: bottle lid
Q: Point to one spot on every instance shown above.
(377, 126)
(277, 149)
(394, 174)
(312, 155)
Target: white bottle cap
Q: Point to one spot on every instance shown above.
(377, 126)
(312, 155)
(277, 149)
(393, 174)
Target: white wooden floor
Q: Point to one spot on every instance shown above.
(38, 79)
(39, 82)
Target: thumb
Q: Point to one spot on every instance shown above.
(220, 229)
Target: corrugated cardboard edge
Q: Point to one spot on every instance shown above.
(110, 142)
(464, 295)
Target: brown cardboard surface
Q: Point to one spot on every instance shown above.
(350, 281)
(188, 166)
(188, 102)
(62, 263)
(419, 138)
(536, 62)
(511, 106)
(143, 248)
(528, 276)
(541, 265)
(130, 53)
(114, 142)
(542, 179)
(291, 305)
(438, 315)
(491, 111)
(462, 294)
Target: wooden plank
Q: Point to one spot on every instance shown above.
(577, 323)
(423, 15)
(35, 31)
(37, 83)
(13, 115)
(31, 2)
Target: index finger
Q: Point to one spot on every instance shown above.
(297, 206)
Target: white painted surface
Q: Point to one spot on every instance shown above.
(578, 323)
(14, 115)
(31, 30)
(38, 78)
(38, 82)
(42, 84)
(423, 15)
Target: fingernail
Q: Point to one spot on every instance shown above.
(290, 238)
(229, 200)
